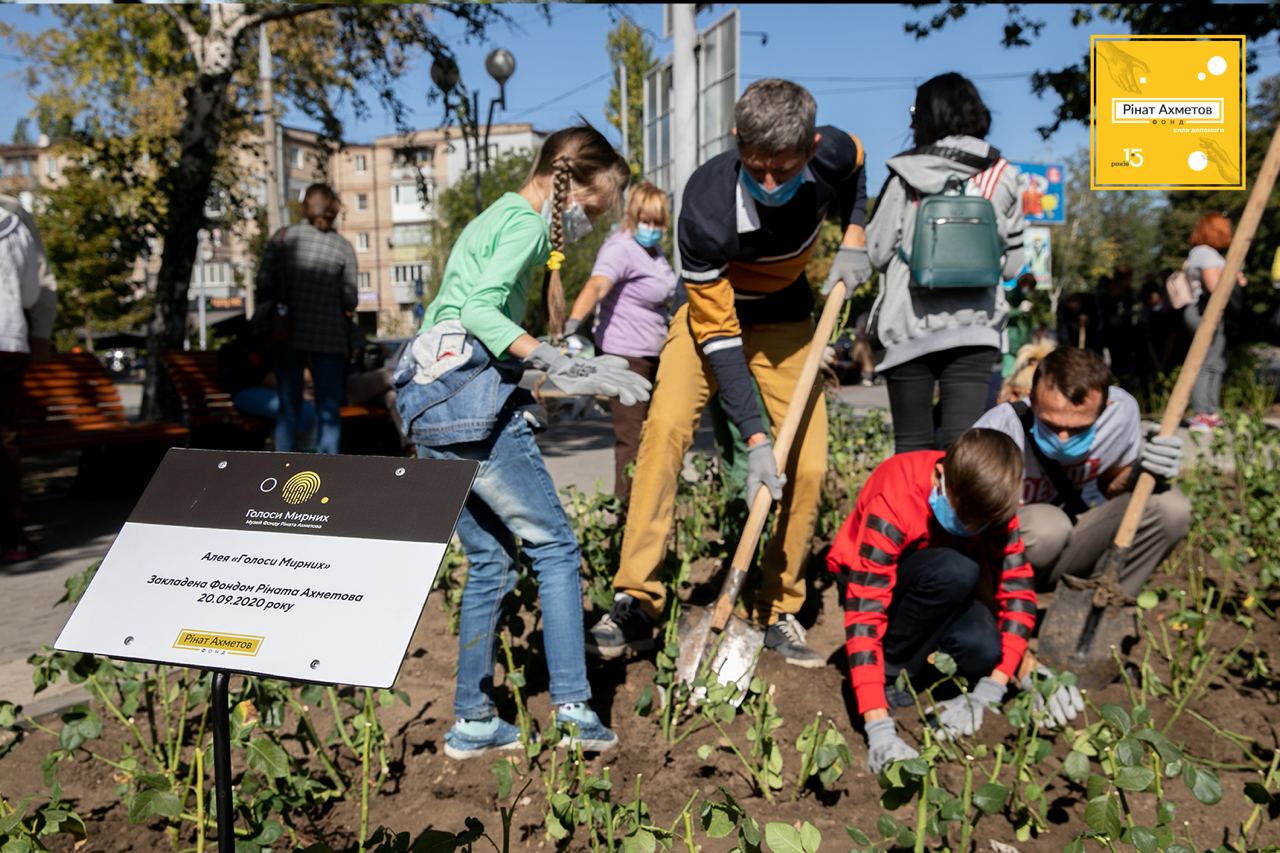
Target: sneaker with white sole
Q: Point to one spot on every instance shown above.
(473, 738)
(625, 628)
(787, 638)
(585, 728)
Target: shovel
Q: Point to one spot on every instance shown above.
(735, 642)
(1090, 618)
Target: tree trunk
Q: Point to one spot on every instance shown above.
(187, 190)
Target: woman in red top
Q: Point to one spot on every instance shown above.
(931, 559)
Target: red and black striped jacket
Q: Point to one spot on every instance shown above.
(891, 520)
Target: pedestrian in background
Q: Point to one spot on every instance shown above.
(28, 304)
(630, 289)
(310, 270)
(1209, 239)
(948, 339)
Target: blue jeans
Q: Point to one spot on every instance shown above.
(513, 496)
(264, 402)
(327, 371)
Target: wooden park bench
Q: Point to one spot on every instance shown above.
(207, 408)
(70, 403)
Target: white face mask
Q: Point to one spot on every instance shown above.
(576, 223)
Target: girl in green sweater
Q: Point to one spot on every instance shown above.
(459, 400)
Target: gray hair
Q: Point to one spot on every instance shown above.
(775, 115)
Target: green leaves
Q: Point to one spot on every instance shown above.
(1076, 767)
(1102, 814)
(268, 758)
(1203, 784)
(155, 798)
(79, 724)
(1118, 717)
(1134, 778)
(990, 797)
(785, 838)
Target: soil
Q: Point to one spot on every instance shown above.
(428, 790)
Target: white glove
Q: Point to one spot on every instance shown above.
(1063, 704)
(607, 375)
(828, 356)
(852, 266)
(1161, 456)
(884, 746)
(962, 716)
(762, 470)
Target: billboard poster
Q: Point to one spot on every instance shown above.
(1044, 192)
(1038, 245)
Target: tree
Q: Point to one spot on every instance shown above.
(456, 206)
(20, 134)
(1071, 84)
(91, 232)
(177, 84)
(630, 48)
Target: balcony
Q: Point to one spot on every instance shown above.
(368, 300)
(402, 294)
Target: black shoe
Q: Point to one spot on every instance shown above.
(624, 628)
(787, 638)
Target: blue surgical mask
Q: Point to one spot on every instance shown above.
(1074, 449)
(648, 235)
(946, 515)
(776, 197)
(576, 223)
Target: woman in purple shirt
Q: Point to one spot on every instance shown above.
(632, 284)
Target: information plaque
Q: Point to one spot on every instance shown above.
(297, 566)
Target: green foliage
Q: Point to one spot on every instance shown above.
(825, 754)
(629, 46)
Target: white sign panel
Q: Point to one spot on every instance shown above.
(296, 566)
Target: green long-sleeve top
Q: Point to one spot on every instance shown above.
(489, 272)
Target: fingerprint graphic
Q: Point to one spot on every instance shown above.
(300, 487)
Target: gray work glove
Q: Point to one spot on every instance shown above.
(829, 356)
(570, 326)
(762, 470)
(1063, 704)
(962, 716)
(852, 266)
(1161, 456)
(884, 746)
(606, 375)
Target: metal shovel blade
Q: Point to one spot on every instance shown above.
(729, 656)
(1077, 636)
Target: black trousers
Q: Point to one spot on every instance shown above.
(962, 376)
(935, 608)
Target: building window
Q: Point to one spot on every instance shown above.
(362, 241)
(363, 281)
(362, 164)
(50, 167)
(362, 201)
(25, 167)
(297, 157)
(406, 273)
(408, 194)
(411, 234)
(424, 156)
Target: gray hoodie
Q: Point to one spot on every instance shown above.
(912, 322)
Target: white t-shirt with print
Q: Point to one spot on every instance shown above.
(1117, 443)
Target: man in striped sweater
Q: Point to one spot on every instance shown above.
(931, 559)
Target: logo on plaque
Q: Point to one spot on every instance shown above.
(300, 488)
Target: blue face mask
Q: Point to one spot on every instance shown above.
(648, 235)
(1074, 449)
(775, 197)
(946, 515)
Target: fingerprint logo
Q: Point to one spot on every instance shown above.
(300, 487)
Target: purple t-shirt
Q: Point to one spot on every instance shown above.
(632, 317)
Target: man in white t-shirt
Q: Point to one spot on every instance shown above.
(1083, 449)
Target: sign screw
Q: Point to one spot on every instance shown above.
(315, 664)
(128, 640)
(399, 472)
(222, 464)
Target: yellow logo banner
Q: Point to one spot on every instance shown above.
(232, 644)
(1167, 112)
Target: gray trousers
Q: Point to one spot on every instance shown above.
(1206, 393)
(1055, 547)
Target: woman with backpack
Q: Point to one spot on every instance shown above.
(457, 392)
(940, 310)
(1209, 239)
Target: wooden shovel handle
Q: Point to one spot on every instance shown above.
(762, 501)
(1209, 323)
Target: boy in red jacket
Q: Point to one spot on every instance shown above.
(932, 559)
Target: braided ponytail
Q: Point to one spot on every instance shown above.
(552, 287)
(583, 156)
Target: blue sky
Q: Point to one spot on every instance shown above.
(562, 68)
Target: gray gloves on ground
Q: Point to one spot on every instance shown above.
(762, 470)
(1161, 456)
(606, 375)
(884, 746)
(1063, 704)
(852, 266)
(962, 716)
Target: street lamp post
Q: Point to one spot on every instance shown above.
(500, 64)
